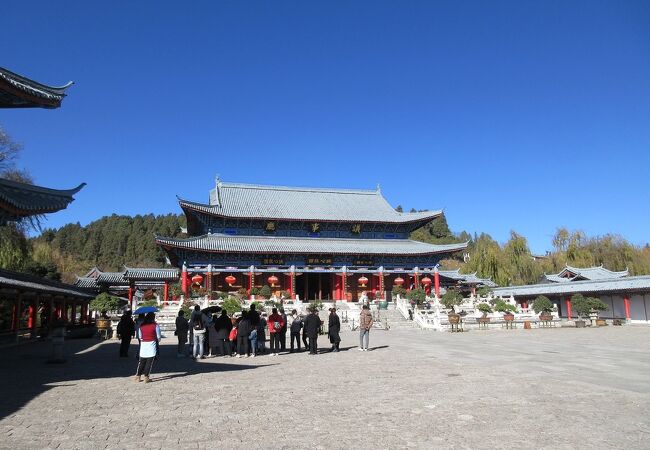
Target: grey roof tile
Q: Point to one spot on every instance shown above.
(584, 286)
(138, 273)
(35, 199)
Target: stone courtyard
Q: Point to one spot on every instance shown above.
(543, 388)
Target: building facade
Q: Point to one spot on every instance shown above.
(327, 244)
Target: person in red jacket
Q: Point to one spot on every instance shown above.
(276, 323)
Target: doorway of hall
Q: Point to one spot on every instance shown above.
(314, 286)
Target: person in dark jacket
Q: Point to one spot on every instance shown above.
(333, 330)
(222, 327)
(182, 329)
(312, 327)
(125, 332)
(283, 331)
(296, 326)
(243, 331)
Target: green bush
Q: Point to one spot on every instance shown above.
(451, 298)
(259, 306)
(484, 308)
(255, 290)
(542, 304)
(583, 306)
(398, 290)
(104, 302)
(187, 311)
(597, 304)
(265, 291)
(418, 295)
(502, 306)
(148, 303)
(285, 294)
(316, 305)
(231, 305)
(242, 292)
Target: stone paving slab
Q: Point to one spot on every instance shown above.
(557, 388)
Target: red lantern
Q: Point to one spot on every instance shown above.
(197, 279)
(426, 281)
(230, 280)
(363, 281)
(272, 280)
(399, 281)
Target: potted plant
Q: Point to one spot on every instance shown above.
(103, 303)
(450, 299)
(232, 306)
(597, 305)
(485, 309)
(265, 291)
(417, 295)
(398, 290)
(582, 307)
(506, 309)
(543, 306)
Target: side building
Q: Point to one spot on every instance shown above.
(327, 244)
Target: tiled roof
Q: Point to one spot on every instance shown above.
(588, 273)
(86, 282)
(150, 274)
(21, 199)
(291, 203)
(112, 278)
(17, 91)
(585, 286)
(272, 244)
(470, 278)
(29, 282)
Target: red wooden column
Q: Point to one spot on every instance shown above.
(344, 293)
(131, 297)
(381, 283)
(568, 308)
(626, 302)
(33, 313)
(251, 279)
(436, 282)
(416, 279)
(166, 292)
(184, 282)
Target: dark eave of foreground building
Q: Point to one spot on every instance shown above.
(222, 243)
(19, 200)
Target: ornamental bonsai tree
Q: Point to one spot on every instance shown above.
(484, 308)
(584, 306)
(542, 305)
(231, 305)
(398, 290)
(451, 298)
(265, 291)
(504, 307)
(255, 290)
(104, 302)
(417, 295)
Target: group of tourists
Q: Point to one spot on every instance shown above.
(241, 337)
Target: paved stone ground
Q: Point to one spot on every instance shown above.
(557, 388)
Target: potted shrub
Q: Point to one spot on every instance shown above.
(265, 291)
(398, 290)
(543, 306)
(417, 295)
(506, 309)
(104, 303)
(450, 299)
(597, 305)
(485, 309)
(175, 291)
(582, 308)
(232, 306)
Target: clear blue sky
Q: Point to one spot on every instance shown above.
(524, 115)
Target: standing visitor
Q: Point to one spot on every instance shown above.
(283, 331)
(233, 338)
(365, 323)
(182, 328)
(243, 334)
(213, 337)
(275, 325)
(149, 335)
(198, 324)
(261, 335)
(222, 326)
(139, 321)
(125, 332)
(333, 330)
(312, 327)
(304, 334)
(296, 326)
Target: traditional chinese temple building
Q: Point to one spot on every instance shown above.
(627, 297)
(328, 244)
(17, 91)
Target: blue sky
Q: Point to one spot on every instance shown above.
(515, 115)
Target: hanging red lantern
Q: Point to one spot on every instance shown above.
(426, 281)
(230, 280)
(197, 279)
(399, 281)
(363, 280)
(272, 280)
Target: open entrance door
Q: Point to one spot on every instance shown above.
(314, 286)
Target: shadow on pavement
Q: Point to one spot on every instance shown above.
(25, 373)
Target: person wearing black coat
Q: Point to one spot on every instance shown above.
(125, 332)
(243, 331)
(312, 327)
(222, 326)
(333, 330)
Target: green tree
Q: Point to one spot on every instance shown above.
(104, 302)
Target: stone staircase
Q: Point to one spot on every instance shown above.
(394, 318)
(166, 318)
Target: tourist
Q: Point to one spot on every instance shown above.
(213, 340)
(312, 327)
(232, 337)
(182, 328)
(198, 324)
(139, 321)
(252, 337)
(275, 325)
(304, 334)
(333, 330)
(254, 316)
(125, 332)
(296, 326)
(283, 331)
(243, 335)
(365, 323)
(363, 299)
(222, 326)
(149, 334)
(261, 335)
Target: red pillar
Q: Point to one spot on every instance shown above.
(184, 282)
(344, 293)
(131, 297)
(166, 292)
(416, 280)
(436, 282)
(568, 308)
(381, 285)
(626, 301)
(251, 276)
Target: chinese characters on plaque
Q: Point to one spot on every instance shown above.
(270, 226)
(314, 227)
(319, 260)
(273, 261)
(356, 228)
